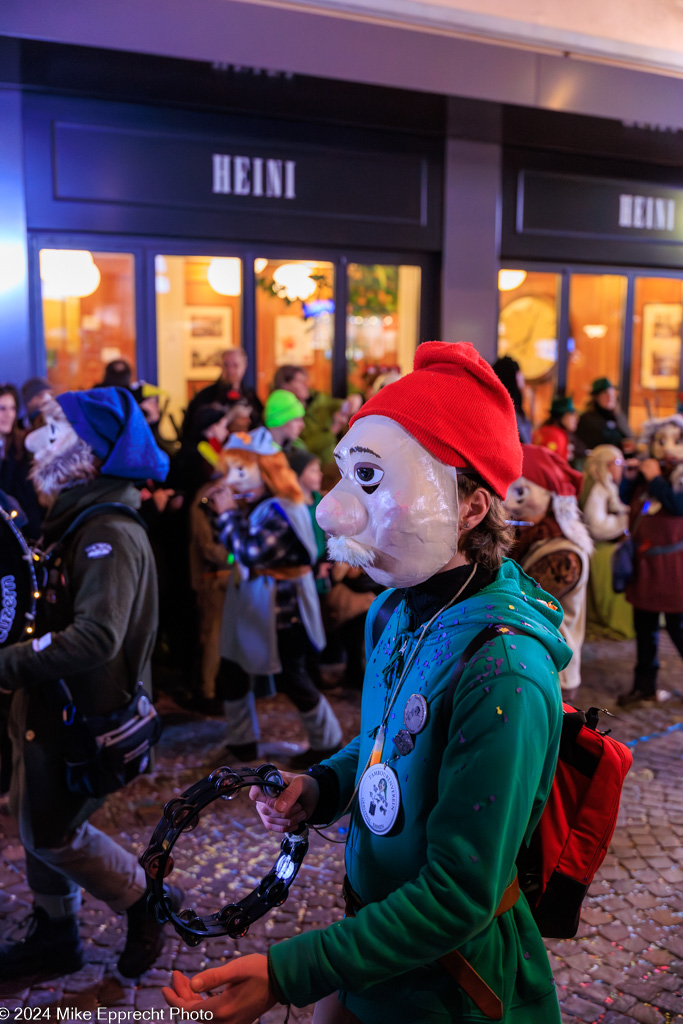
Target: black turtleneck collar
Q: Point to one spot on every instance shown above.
(425, 599)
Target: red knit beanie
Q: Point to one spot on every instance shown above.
(457, 408)
(550, 470)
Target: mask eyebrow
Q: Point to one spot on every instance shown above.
(365, 451)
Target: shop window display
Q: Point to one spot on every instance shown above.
(199, 315)
(88, 302)
(596, 327)
(383, 313)
(656, 356)
(528, 333)
(294, 320)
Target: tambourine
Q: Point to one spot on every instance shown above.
(18, 584)
(182, 815)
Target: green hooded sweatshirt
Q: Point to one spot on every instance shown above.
(468, 802)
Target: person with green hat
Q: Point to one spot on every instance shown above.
(558, 432)
(284, 418)
(603, 422)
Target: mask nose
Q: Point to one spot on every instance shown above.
(341, 514)
(36, 440)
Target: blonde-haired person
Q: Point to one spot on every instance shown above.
(606, 517)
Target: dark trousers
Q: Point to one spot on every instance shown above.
(647, 637)
(232, 682)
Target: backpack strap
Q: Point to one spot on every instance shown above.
(90, 513)
(490, 632)
(383, 615)
(460, 969)
(464, 974)
(61, 690)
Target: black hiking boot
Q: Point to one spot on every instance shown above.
(50, 948)
(145, 938)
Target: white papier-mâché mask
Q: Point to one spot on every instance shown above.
(527, 501)
(394, 512)
(54, 438)
(667, 444)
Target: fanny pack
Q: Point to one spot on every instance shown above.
(104, 752)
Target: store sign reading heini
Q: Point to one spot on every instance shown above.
(647, 212)
(253, 176)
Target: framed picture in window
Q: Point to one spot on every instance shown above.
(293, 341)
(660, 363)
(208, 332)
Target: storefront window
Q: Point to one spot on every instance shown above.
(383, 315)
(596, 326)
(527, 331)
(88, 303)
(294, 320)
(656, 358)
(199, 315)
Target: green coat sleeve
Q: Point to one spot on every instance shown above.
(488, 783)
(103, 591)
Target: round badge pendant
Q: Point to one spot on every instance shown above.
(415, 713)
(379, 798)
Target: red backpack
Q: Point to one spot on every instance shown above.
(577, 824)
(572, 837)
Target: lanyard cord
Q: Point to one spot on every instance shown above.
(413, 654)
(400, 683)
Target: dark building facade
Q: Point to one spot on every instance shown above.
(167, 209)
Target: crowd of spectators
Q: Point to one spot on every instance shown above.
(194, 566)
(631, 500)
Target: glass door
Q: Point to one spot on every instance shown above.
(597, 306)
(198, 317)
(295, 301)
(382, 323)
(528, 333)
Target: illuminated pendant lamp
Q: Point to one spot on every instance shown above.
(296, 280)
(508, 280)
(68, 273)
(225, 275)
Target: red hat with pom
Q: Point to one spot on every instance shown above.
(456, 407)
(548, 469)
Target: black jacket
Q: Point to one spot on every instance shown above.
(603, 426)
(221, 393)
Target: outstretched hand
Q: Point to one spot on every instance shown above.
(244, 999)
(285, 812)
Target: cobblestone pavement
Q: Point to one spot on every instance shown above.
(625, 965)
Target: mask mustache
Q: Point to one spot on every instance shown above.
(345, 549)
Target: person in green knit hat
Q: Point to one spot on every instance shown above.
(283, 416)
(449, 773)
(325, 417)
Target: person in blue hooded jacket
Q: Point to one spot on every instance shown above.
(95, 629)
(444, 785)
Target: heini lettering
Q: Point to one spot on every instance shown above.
(253, 176)
(649, 213)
